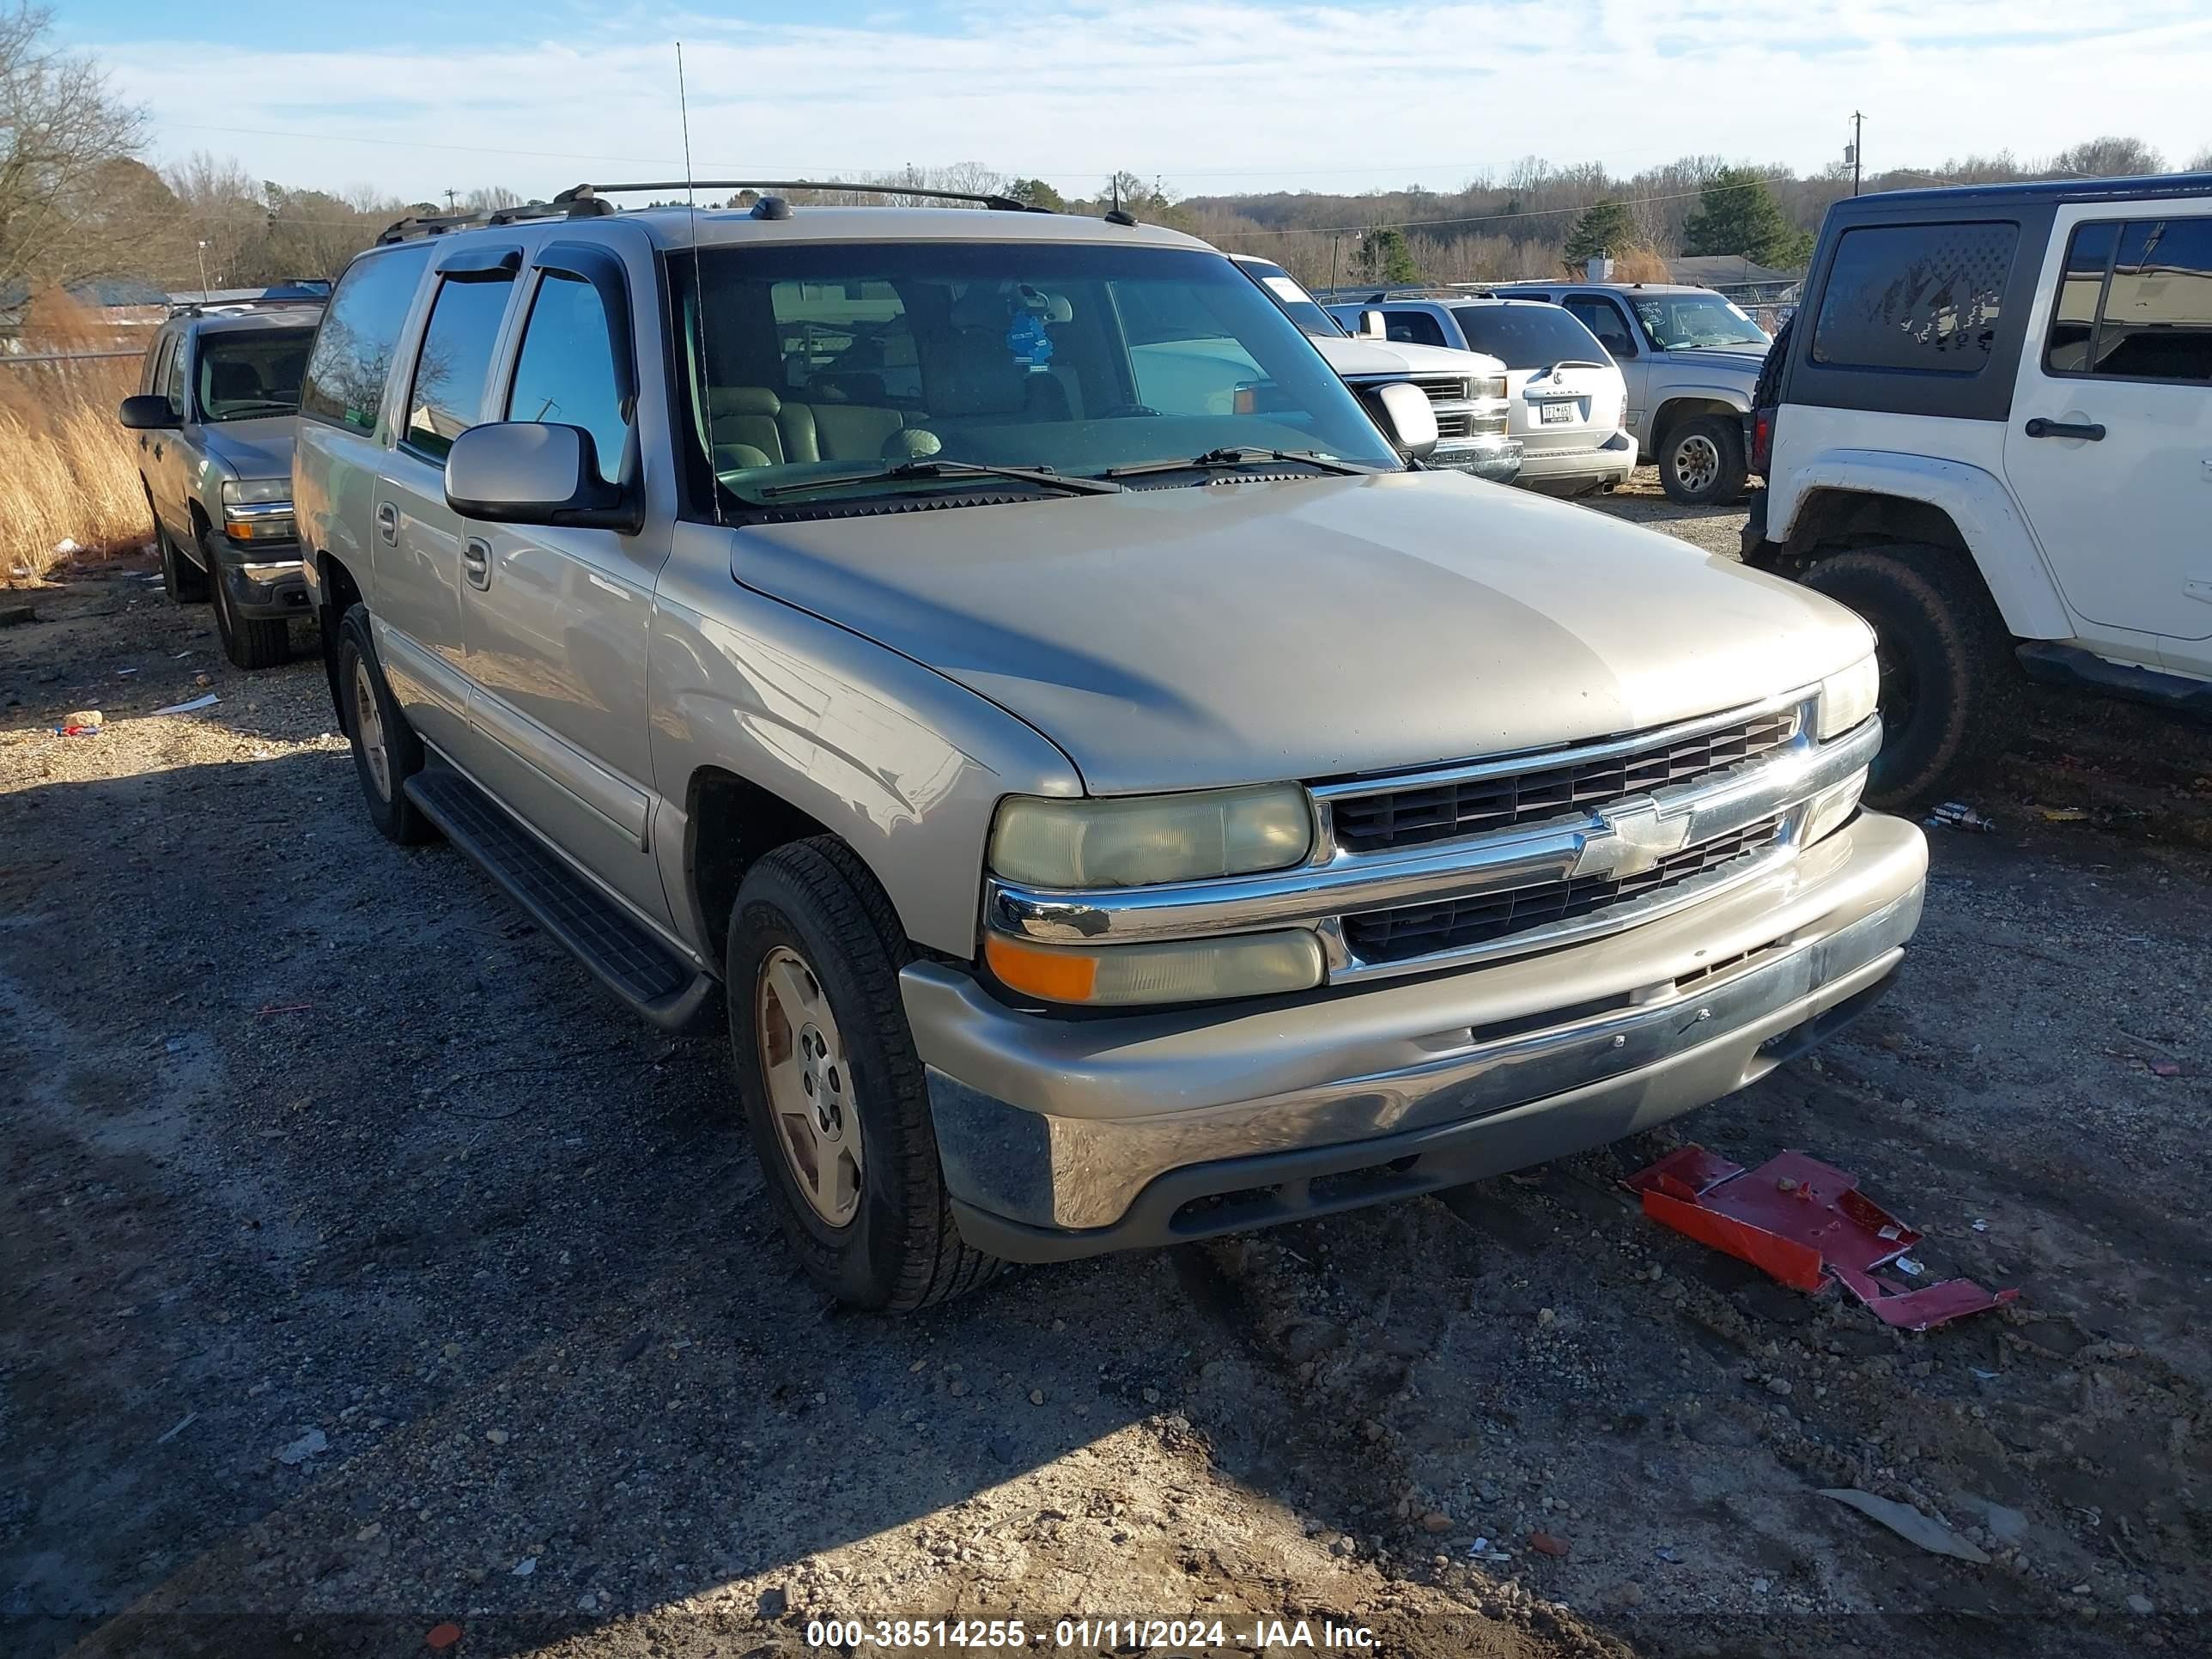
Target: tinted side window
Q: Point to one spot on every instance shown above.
(1923, 297)
(565, 372)
(360, 333)
(169, 378)
(456, 356)
(1412, 328)
(2157, 318)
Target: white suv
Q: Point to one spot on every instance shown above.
(1566, 401)
(1988, 430)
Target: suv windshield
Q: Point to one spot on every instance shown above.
(242, 375)
(863, 369)
(1527, 335)
(1678, 322)
(1300, 306)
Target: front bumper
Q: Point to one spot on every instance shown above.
(1068, 1137)
(1497, 459)
(267, 581)
(1610, 462)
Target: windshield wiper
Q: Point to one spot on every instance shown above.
(895, 471)
(1224, 460)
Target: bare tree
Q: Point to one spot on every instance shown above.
(225, 214)
(2201, 161)
(58, 127)
(2108, 157)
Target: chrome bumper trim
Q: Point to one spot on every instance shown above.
(1063, 1123)
(1319, 894)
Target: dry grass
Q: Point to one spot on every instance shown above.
(69, 471)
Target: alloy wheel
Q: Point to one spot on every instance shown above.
(810, 1085)
(1697, 462)
(368, 729)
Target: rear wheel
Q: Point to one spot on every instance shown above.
(385, 750)
(1949, 687)
(832, 1088)
(1702, 462)
(248, 641)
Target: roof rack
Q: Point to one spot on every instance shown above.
(442, 224)
(580, 194)
(213, 308)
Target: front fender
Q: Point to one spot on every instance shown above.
(1735, 396)
(1997, 536)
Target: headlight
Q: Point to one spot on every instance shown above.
(1490, 386)
(1185, 970)
(1140, 840)
(258, 510)
(1848, 698)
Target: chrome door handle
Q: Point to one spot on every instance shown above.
(387, 521)
(2090, 430)
(476, 563)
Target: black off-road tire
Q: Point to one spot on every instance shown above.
(1950, 685)
(249, 642)
(396, 818)
(184, 582)
(1724, 480)
(901, 1250)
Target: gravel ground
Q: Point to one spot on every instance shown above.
(363, 1271)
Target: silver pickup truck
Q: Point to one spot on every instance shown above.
(1104, 817)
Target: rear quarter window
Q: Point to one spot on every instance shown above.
(1918, 297)
(359, 337)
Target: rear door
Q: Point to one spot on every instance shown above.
(419, 541)
(2109, 449)
(1606, 317)
(558, 620)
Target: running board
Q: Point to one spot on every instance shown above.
(641, 971)
(2070, 665)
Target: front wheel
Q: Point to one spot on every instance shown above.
(1702, 462)
(1949, 687)
(248, 641)
(184, 582)
(832, 1088)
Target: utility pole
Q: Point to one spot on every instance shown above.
(1858, 122)
(449, 197)
(201, 247)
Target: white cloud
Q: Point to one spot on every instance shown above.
(1224, 95)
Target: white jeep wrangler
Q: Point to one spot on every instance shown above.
(1988, 430)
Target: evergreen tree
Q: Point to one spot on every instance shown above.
(1384, 258)
(1737, 214)
(1604, 227)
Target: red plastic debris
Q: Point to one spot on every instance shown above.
(442, 1636)
(1801, 1221)
(1544, 1544)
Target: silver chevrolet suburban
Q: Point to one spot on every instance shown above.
(1108, 818)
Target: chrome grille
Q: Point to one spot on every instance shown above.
(1409, 816)
(1420, 930)
(1455, 424)
(1450, 390)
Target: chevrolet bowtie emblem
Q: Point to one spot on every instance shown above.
(1630, 837)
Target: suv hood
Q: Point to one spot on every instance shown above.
(1224, 634)
(1360, 358)
(258, 448)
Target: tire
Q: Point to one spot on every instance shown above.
(388, 735)
(1949, 685)
(897, 1248)
(249, 642)
(1702, 462)
(184, 582)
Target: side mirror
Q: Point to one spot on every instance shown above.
(1373, 325)
(148, 413)
(1407, 418)
(534, 472)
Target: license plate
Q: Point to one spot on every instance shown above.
(1556, 414)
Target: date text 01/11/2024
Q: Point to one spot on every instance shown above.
(941, 1635)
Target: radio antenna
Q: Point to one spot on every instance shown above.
(699, 385)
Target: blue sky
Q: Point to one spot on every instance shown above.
(1217, 95)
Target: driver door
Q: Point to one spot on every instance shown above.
(1604, 317)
